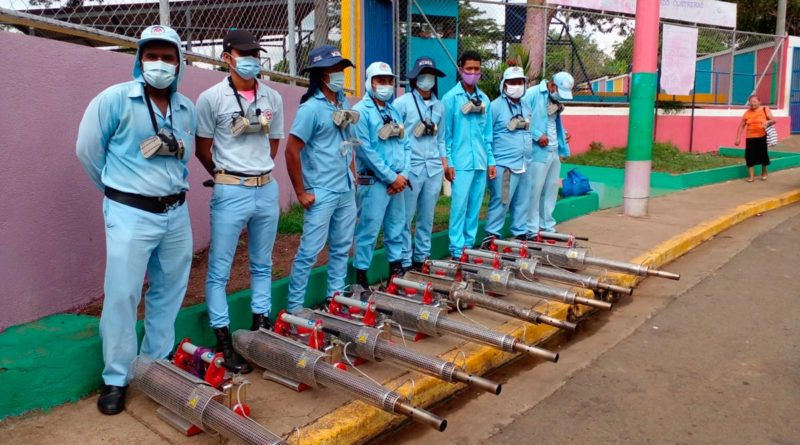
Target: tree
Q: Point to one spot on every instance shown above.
(537, 20)
(477, 32)
(762, 16)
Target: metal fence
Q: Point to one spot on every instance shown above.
(287, 29)
(596, 48)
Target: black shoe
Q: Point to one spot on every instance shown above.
(396, 269)
(112, 399)
(487, 240)
(261, 321)
(523, 237)
(361, 278)
(417, 265)
(233, 361)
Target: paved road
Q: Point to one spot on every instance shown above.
(712, 359)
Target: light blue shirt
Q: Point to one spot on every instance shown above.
(538, 97)
(326, 164)
(512, 149)
(113, 126)
(247, 153)
(467, 137)
(386, 158)
(426, 151)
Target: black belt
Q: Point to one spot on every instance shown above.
(372, 173)
(244, 175)
(152, 204)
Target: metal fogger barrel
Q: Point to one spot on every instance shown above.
(434, 321)
(501, 281)
(578, 258)
(196, 401)
(295, 361)
(368, 343)
(456, 292)
(528, 268)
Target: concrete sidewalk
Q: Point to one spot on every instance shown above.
(282, 410)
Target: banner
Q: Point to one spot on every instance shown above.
(678, 59)
(708, 12)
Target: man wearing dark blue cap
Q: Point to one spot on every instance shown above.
(422, 114)
(319, 157)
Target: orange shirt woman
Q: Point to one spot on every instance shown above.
(756, 119)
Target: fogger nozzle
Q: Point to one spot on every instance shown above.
(538, 352)
(420, 415)
(477, 381)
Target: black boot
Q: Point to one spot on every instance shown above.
(361, 289)
(523, 237)
(487, 240)
(396, 269)
(233, 361)
(261, 321)
(112, 399)
(417, 265)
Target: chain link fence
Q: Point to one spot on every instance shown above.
(287, 29)
(596, 48)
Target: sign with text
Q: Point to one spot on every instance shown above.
(678, 59)
(708, 12)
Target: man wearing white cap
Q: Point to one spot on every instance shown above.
(382, 163)
(551, 144)
(510, 189)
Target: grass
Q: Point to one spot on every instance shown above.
(666, 158)
(291, 220)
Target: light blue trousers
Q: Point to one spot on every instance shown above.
(422, 202)
(331, 218)
(519, 189)
(234, 207)
(465, 207)
(376, 209)
(139, 243)
(544, 193)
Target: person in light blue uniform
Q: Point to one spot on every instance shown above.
(512, 146)
(319, 158)
(551, 144)
(382, 161)
(134, 142)
(468, 143)
(423, 117)
(240, 124)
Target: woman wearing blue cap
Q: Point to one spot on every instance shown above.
(422, 114)
(382, 159)
(319, 158)
(550, 145)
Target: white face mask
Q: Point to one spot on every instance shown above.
(384, 92)
(515, 91)
(425, 82)
(158, 74)
(336, 81)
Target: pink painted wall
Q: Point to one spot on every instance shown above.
(710, 133)
(762, 62)
(52, 246)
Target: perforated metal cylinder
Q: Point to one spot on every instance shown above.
(362, 339)
(409, 314)
(476, 333)
(302, 364)
(195, 401)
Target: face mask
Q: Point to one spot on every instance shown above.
(471, 79)
(158, 74)
(555, 96)
(425, 82)
(383, 92)
(336, 81)
(515, 91)
(247, 67)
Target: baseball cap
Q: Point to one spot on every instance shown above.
(564, 82)
(240, 40)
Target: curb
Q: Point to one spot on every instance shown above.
(356, 422)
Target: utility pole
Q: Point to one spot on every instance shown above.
(644, 84)
(780, 29)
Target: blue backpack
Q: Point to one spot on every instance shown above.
(575, 184)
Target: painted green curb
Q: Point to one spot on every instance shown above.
(58, 358)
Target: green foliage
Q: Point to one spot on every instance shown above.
(291, 220)
(477, 32)
(670, 106)
(666, 158)
(564, 56)
(761, 16)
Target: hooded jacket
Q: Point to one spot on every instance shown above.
(512, 149)
(117, 121)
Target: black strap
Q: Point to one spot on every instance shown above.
(153, 114)
(413, 95)
(239, 102)
(387, 118)
(511, 109)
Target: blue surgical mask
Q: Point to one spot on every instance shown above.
(425, 82)
(158, 74)
(248, 67)
(383, 92)
(555, 96)
(336, 81)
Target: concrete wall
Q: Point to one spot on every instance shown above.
(52, 246)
